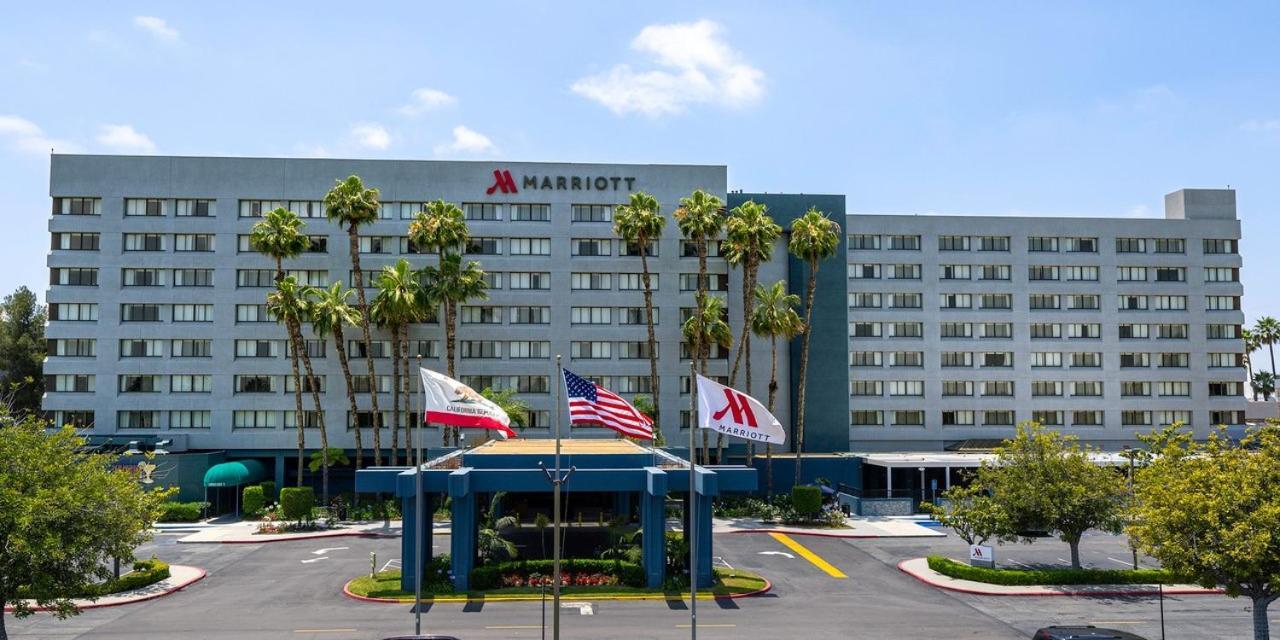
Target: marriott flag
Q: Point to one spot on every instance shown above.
(737, 414)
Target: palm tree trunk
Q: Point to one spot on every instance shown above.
(1249, 364)
(353, 234)
(744, 346)
(395, 392)
(404, 393)
(773, 393)
(1271, 346)
(698, 351)
(297, 395)
(351, 394)
(653, 342)
(804, 363)
(324, 433)
(450, 317)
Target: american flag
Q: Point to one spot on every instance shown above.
(593, 405)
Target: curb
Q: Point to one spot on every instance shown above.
(823, 534)
(150, 596)
(534, 598)
(1111, 593)
(266, 538)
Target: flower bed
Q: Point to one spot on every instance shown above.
(573, 572)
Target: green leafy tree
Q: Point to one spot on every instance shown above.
(705, 327)
(1042, 480)
(351, 205)
(700, 218)
(748, 241)
(814, 238)
(1263, 383)
(332, 457)
(395, 305)
(640, 223)
(970, 512)
(63, 513)
(331, 311)
(22, 350)
(506, 400)
(645, 404)
(774, 316)
(1267, 330)
(1209, 512)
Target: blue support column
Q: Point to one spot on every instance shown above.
(653, 523)
(408, 553)
(462, 536)
(280, 470)
(704, 540)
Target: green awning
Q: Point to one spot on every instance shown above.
(233, 474)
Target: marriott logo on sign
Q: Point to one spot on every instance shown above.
(503, 182)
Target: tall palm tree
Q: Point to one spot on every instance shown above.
(442, 228)
(452, 284)
(279, 235)
(351, 205)
(749, 237)
(1267, 329)
(287, 302)
(705, 327)
(330, 311)
(814, 238)
(700, 220)
(640, 222)
(1251, 344)
(774, 316)
(394, 306)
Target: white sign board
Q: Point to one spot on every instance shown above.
(981, 556)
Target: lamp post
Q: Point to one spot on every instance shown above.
(1129, 454)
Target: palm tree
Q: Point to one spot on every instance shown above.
(394, 306)
(814, 238)
(451, 284)
(1265, 383)
(1267, 329)
(1251, 344)
(279, 235)
(506, 400)
(773, 317)
(700, 220)
(289, 305)
(351, 205)
(705, 327)
(442, 228)
(490, 545)
(330, 312)
(640, 222)
(749, 237)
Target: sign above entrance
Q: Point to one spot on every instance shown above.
(504, 182)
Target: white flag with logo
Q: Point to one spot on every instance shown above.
(452, 403)
(737, 414)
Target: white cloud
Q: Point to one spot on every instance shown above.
(124, 138)
(371, 135)
(156, 27)
(466, 141)
(695, 66)
(424, 100)
(25, 136)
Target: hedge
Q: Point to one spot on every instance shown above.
(145, 573)
(181, 511)
(296, 503)
(254, 500)
(806, 500)
(490, 576)
(1026, 577)
(268, 490)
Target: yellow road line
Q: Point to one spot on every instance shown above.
(808, 555)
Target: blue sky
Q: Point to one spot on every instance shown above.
(1088, 108)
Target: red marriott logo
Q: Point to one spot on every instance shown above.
(502, 181)
(740, 409)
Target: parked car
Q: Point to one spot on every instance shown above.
(413, 637)
(1083, 632)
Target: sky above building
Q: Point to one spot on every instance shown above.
(1079, 109)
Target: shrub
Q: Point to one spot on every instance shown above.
(181, 511)
(268, 490)
(806, 500)
(254, 500)
(145, 573)
(1024, 577)
(296, 503)
(573, 572)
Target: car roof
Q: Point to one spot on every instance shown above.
(1087, 633)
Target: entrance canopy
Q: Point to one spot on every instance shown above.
(234, 474)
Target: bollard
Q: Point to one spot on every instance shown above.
(373, 564)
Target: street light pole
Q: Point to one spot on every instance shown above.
(418, 507)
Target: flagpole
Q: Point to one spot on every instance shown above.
(555, 506)
(691, 529)
(418, 507)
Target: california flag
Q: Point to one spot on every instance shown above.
(452, 403)
(734, 413)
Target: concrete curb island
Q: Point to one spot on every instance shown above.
(180, 577)
(918, 568)
(346, 590)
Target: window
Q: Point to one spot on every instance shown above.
(592, 213)
(1135, 389)
(143, 242)
(958, 418)
(1084, 302)
(590, 247)
(997, 418)
(141, 348)
(424, 348)
(258, 208)
(309, 383)
(188, 419)
(864, 271)
(1086, 360)
(73, 276)
(1226, 417)
(632, 384)
(492, 279)
(481, 211)
(689, 249)
(997, 359)
(314, 348)
(1175, 360)
(953, 243)
(143, 207)
(955, 301)
(1040, 244)
(906, 301)
(714, 282)
(75, 241)
(633, 350)
(906, 329)
(140, 313)
(1084, 330)
(530, 315)
(309, 277)
(1131, 245)
(255, 278)
(1081, 245)
(255, 383)
(1086, 418)
(377, 349)
(954, 271)
(591, 315)
(955, 330)
(194, 208)
(1222, 303)
(77, 206)
(1169, 303)
(1171, 245)
(1222, 331)
(1135, 360)
(635, 281)
(994, 243)
(70, 383)
(635, 315)
(1168, 388)
(864, 241)
(908, 418)
(375, 244)
(866, 388)
(1133, 303)
(254, 313)
(257, 348)
(1048, 418)
(906, 388)
(1042, 272)
(1226, 389)
(190, 348)
(481, 315)
(996, 301)
(1134, 332)
(1046, 359)
(1131, 274)
(953, 388)
(957, 359)
(995, 272)
(865, 359)
(187, 383)
(529, 280)
(1214, 246)
(138, 419)
(72, 347)
(626, 249)
(1172, 332)
(530, 212)
(1135, 418)
(864, 329)
(997, 329)
(905, 272)
(134, 383)
(193, 277)
(904, 243)
(361, 385)
(1221, 274)
(907, 359)
(1040, 301)
(1080, 274)
(865, 418)
(1226, 360)
(1086, 388)
(243, 419)
(1171, 274)
(591, 281)
(528, 349)
(483, 247)
(864, 301)
(193, 313)
(202, 242)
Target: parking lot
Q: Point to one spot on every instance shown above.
(823, 588)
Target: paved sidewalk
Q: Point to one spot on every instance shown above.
(857, 528)
(180, 576)
(244, 532)
(918, 568)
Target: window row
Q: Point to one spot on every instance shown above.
(1037, 244)
(1047, 417)
(1042, 359)
(1039, 330)
(1041, 388)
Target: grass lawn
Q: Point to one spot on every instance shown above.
(1027, 577)
(387, 585)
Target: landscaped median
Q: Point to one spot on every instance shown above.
(945, 573)
(385, 587)
(149, 579)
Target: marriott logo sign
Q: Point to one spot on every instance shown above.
(504, 182)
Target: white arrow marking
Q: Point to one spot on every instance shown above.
(584, 608)
(315, 560)
(320, 552)
(777, 553)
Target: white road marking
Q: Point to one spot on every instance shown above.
(584, 608)
(1127, 563)
(320, 552)
(315, 560)
(718, 559)
(777, 553)
(389, 564)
